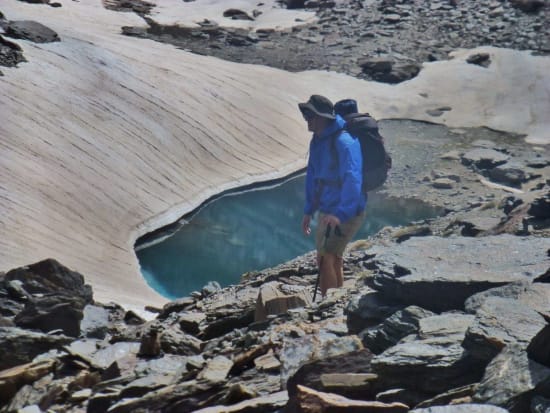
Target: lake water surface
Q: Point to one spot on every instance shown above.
(250, 231)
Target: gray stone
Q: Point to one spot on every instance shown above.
(267, 362)
(273, 299)
(453, 155)
(540, 405)
(448, 396)
(298, 351)
(516, 323)
(480, 59)
(394, 328)
(406, 396)
(268, 403)
(18, 346)
(176, 306)
(10, 53)
(473, 226)
(309, 400)
(538, 348)
(310, 373)
(509, 174)
(484, 158)
(110, 354)
(540, 207)
(216, 369)
(376, 65)
(368, 310)
(533, 294)
(174, 341)
(52, 312)
(146, 384)
(433, 361)
(190, 322)
(528, 6)
(400, 72)
(462, 408)
(443, 183)
(439, 274)
(31, 30)
(95, 322)
(11, 380)
(510, 378)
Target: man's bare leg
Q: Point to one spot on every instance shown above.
(328, 274)
(339, 270)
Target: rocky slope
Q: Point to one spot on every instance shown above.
(101, 114)
(445, 315)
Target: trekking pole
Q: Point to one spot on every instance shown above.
(327, 235)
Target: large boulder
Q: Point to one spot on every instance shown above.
(45, 296)
(49, 276)
(511, 379)
(394, 328)
(368, 310)
(52, 312)
(311, 374)
(535, 295)
(439, 274)
(299, 351)
(432, 361)
(277, 298)
(31, 30)
(500, 322)
(18, 346)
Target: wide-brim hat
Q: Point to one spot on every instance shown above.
(319, 105)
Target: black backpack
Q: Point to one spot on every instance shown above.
(376, 161)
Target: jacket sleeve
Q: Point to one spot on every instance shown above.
(350, 173)
(310, 207)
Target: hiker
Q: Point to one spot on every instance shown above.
(333, 188)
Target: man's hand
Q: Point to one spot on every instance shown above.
(331, 220)
(305, 225)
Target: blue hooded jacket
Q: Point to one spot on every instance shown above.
(334, 174)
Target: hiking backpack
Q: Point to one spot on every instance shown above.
(376, 160)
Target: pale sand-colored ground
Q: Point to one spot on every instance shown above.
(105, 137)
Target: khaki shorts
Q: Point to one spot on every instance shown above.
(338, 240)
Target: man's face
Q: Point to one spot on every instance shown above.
(313, 121)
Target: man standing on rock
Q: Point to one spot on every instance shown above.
(333, 188)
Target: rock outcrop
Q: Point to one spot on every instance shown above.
(210, 354)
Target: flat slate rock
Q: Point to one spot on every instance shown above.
(31, 30)
(432, 361)
(462, 408)
(535, 295)
(510, 379)
(439, 274)
(516, 323)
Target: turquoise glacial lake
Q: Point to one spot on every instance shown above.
(247, 231)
